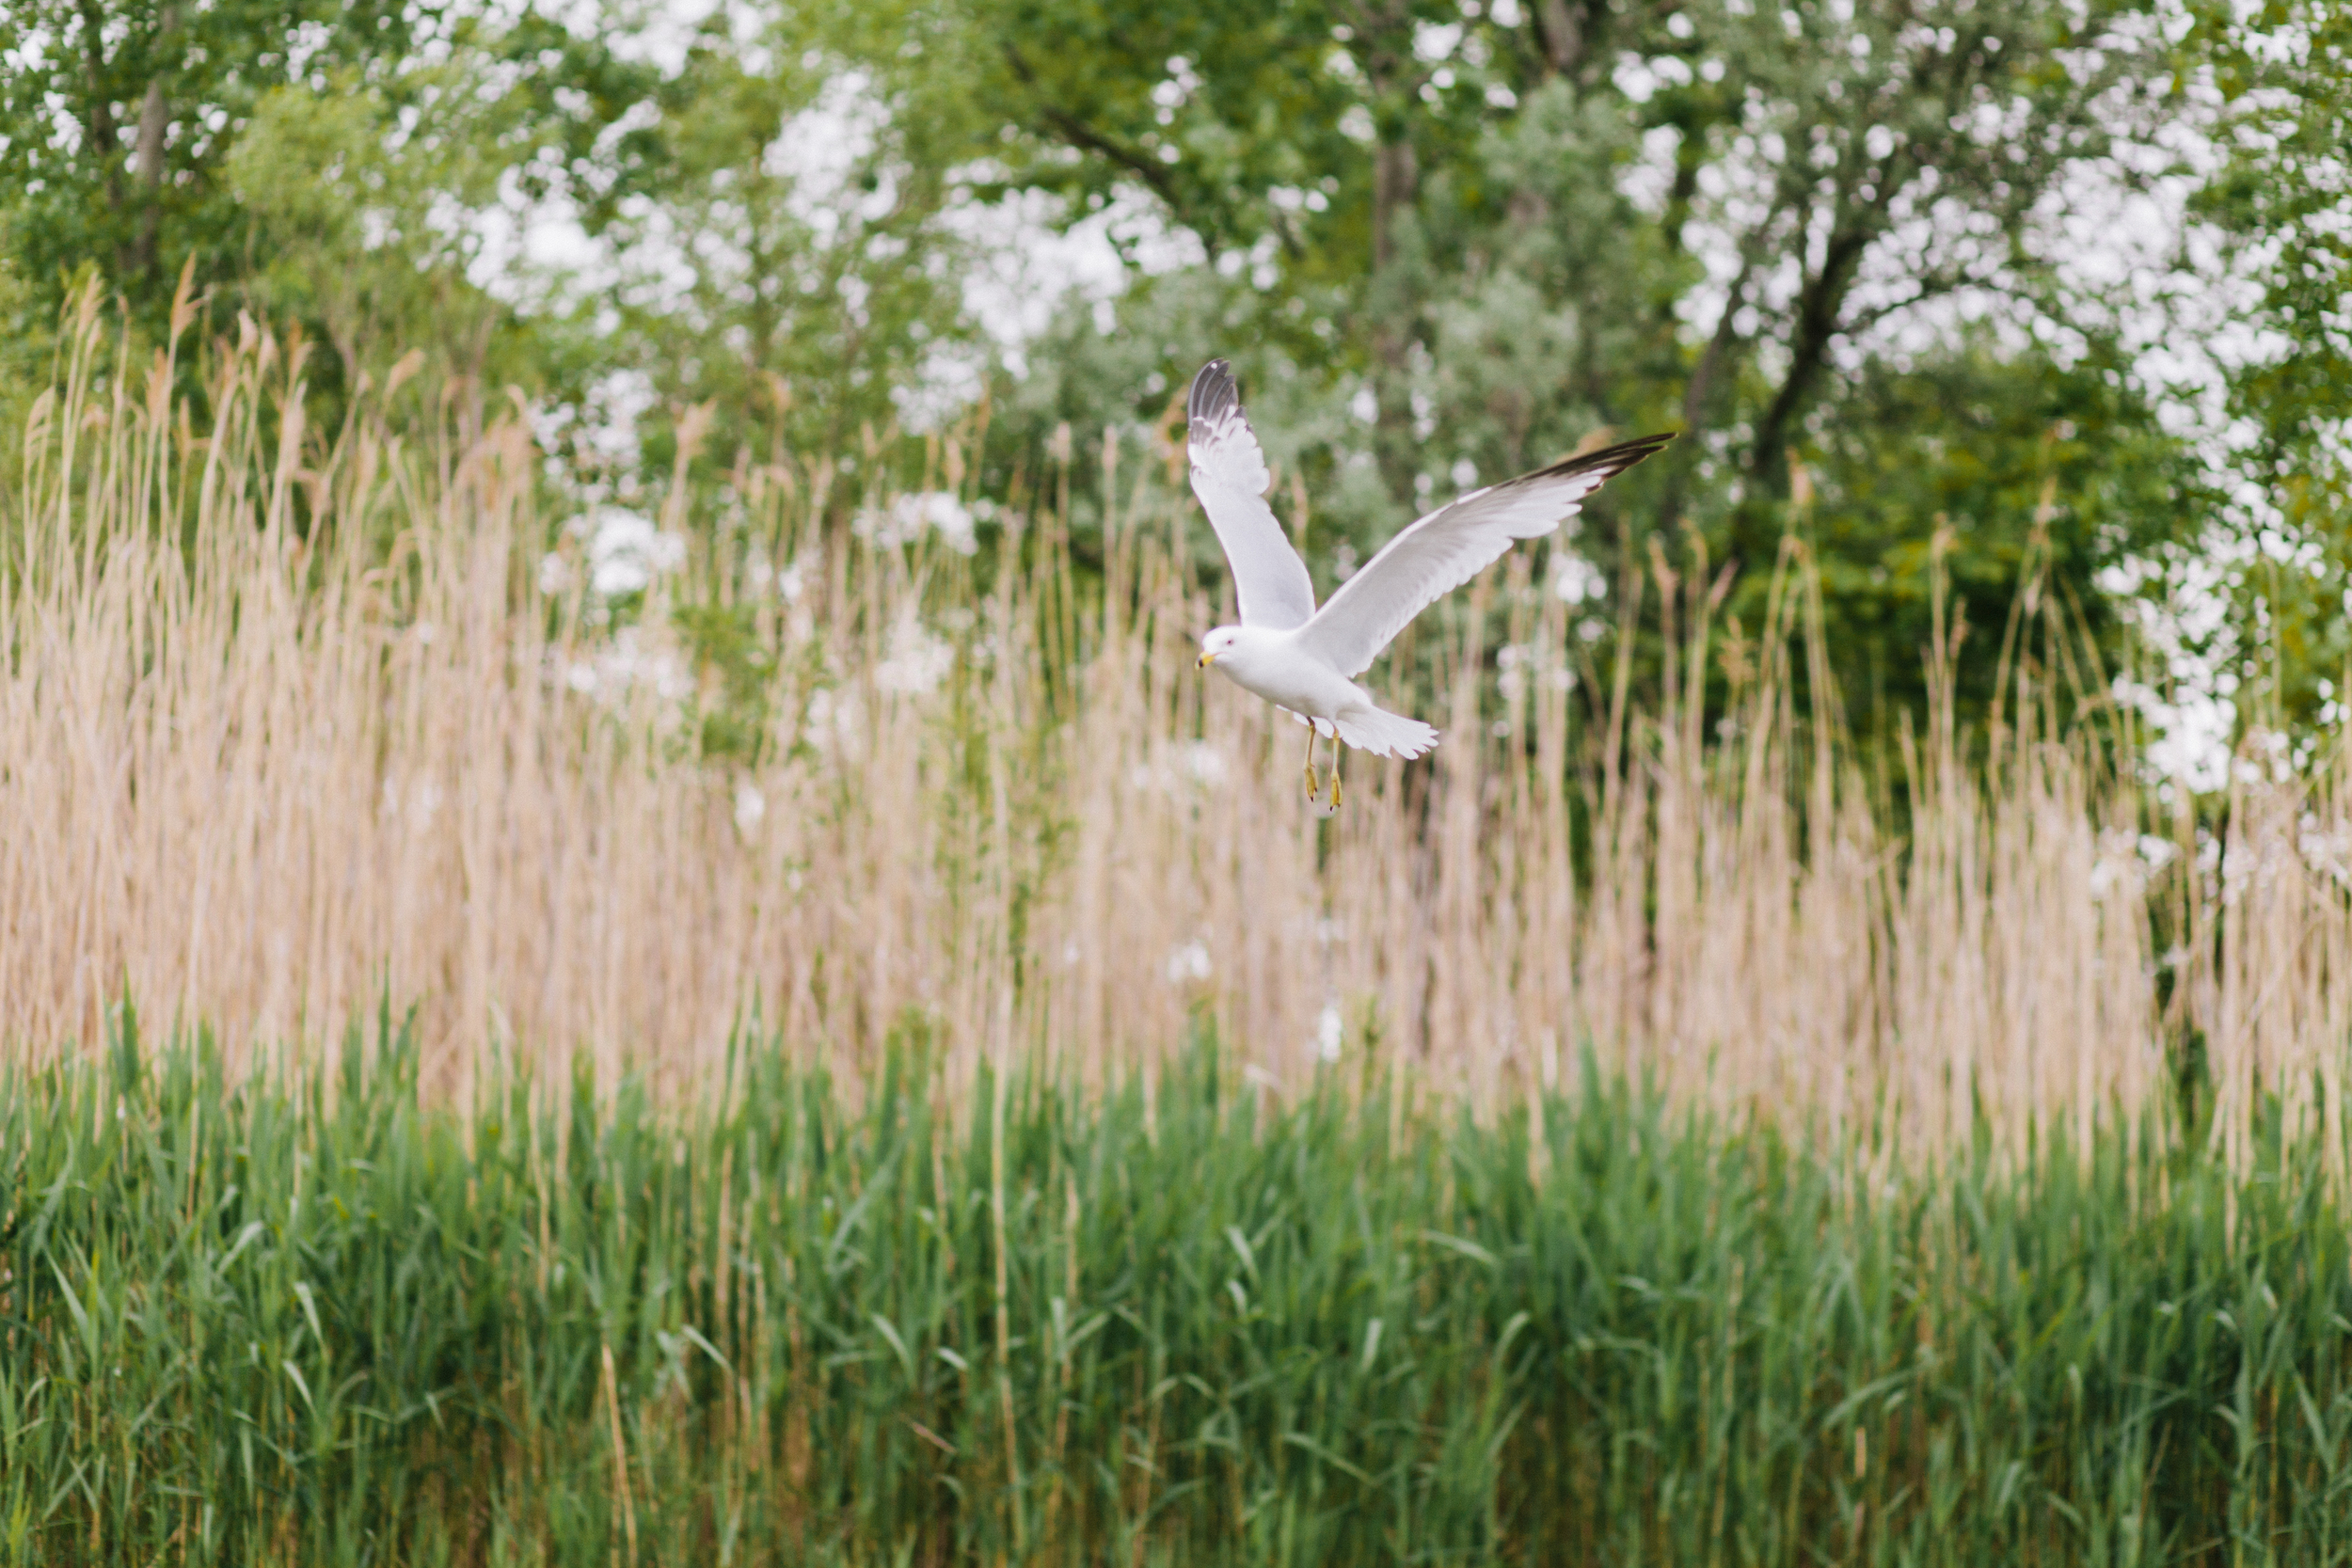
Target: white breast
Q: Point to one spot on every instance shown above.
(1275, 668)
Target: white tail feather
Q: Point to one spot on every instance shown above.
(1386, 734)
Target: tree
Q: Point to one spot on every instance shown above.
(125, 125)
(117, 116)
(783, 259)
(1777, 227)
(2278, 214)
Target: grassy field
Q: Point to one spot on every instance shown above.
(315, 1319)
(891, 1072)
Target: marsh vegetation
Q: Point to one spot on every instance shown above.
(628, 936)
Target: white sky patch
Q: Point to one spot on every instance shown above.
(1025, 266)
(658, 35)
(1648, 180)
(1434, 41)
(824, 147)
(530, 254)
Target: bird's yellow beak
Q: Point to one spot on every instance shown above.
(1207, 659)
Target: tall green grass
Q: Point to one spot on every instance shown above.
(312, 1317)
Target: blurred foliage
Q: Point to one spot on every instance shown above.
(2279, 209)
(1445, 240)
(316, 160)
(1804, 236)
(118, 116)
(318, 1316)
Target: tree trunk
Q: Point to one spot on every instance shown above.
(98, 117)
(1395, 181)
(1818, 313)
(1560, 34)
(154, 115)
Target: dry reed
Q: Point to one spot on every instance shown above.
(259, 765)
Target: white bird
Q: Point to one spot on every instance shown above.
(1303, 659)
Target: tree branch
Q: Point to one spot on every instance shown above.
(1808, 346)
(1702, 384)
(1078, 133)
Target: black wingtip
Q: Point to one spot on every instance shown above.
(1611, 460)
(1211, 391)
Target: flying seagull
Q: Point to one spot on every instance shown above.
(1304, 659)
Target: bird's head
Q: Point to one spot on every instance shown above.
(1223, 640)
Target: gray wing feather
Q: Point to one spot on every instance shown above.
(1452, 544)
(1228, 474)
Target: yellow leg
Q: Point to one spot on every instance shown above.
(1338, 751)
(1313, 783)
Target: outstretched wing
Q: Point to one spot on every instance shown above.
(1452, 544)
(1228, 474)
